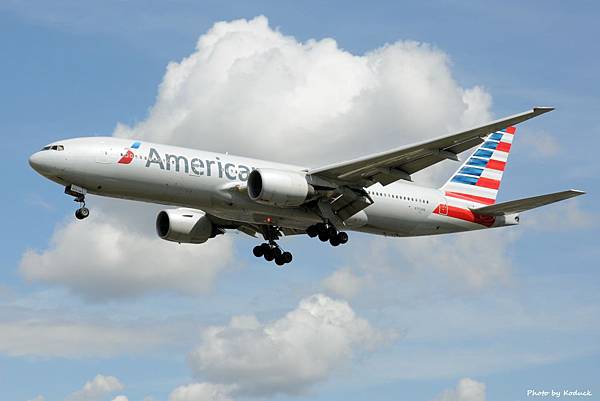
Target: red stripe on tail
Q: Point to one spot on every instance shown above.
(496, 165)
(503, 147)
(478, 199)
(488, 183)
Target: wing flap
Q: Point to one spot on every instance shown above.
(521, 205)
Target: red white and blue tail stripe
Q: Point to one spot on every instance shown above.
(477, 181)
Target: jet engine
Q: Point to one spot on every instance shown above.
(278, 187)
(184, 226)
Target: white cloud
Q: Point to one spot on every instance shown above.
(286, 355)
(96, 389)
(120, 398)
(249, 89)
(343, 282)
(38, 398)
(201, 392)
(466, 390)
(108, 256)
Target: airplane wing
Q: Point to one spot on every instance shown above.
(392, 165)
(522, 205)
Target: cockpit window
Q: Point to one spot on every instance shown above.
(53, 147)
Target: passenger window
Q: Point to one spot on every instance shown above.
(60, 147)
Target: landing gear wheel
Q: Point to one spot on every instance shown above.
(343, 237)
(312, 231)
(258, 251)
(334, 241)
(279, 261)
(82, 213)
(287, 257)
(324, 236)
(270, 255)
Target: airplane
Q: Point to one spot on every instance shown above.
(213, 192)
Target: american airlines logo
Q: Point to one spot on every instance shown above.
(196, 166)
(129, 155)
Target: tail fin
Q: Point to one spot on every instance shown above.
(478, 179)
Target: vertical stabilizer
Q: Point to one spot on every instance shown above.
(478, 179)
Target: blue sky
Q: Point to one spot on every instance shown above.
(79, 68)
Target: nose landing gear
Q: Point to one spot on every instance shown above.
(79, 194)
(327, 232)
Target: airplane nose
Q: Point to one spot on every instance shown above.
(35, 161)
(40, 163)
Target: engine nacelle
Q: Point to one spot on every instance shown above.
(184, 226)
(278, 187)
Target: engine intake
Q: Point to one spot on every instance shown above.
(278, 187)
(184, 226)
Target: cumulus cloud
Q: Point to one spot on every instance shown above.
(286, 355)
(201, 392)
(343, 282)
(106, 257)
(466, 390)
(96, 389)
(251, 90)
(120, 398)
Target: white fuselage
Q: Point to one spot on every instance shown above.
(215, 183)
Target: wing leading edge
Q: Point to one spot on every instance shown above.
(392, 165)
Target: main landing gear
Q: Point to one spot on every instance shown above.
(79, 194)
(271, 251)
(327, 232)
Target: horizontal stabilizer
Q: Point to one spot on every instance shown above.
(521, 205)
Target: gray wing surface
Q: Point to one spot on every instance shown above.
(521, 205)
(392, 165)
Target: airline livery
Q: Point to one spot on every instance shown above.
(374, 194)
